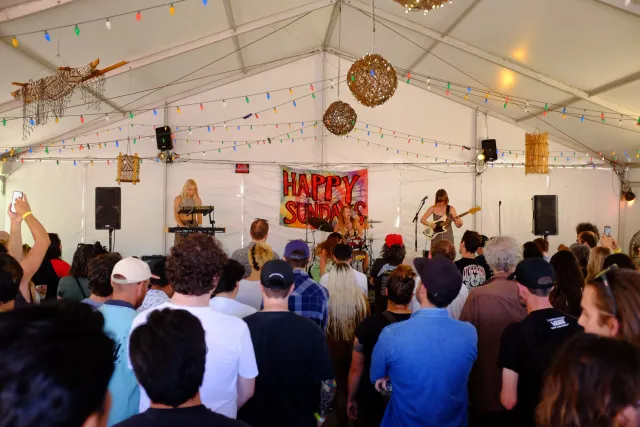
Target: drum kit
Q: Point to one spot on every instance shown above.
(360, 245)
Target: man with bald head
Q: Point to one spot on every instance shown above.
(259, 232)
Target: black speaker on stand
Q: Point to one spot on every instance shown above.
(545, 215)
(489, 150)
(164, 141)
(108, 211)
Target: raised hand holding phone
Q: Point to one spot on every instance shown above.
(21, 206)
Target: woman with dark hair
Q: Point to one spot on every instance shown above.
(75, 286)
(611, 304)
(391, 256)
(52, 269)
(567, 292)
(594, 381)
(442, 210)
(324, 251)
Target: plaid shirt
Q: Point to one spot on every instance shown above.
(309, 299)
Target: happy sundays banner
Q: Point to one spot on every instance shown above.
(321, 194)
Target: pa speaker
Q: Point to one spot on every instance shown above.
(163, 138)
(108, 208)
(545, 215)
(489, 150)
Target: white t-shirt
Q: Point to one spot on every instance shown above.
(229, 354)
(361, 280)
(231, 307)
(249, 293)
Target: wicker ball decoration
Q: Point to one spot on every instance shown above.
(372, 80)
(340, 118)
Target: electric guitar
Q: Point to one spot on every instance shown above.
(435, 228)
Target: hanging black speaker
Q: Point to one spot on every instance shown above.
(108, 208)
(489, 150)
(545, 215)
(163, 138)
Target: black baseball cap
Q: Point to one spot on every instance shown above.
(440, 277)
(158, 270)
(276, 274)
(534, 273)
(342, 252)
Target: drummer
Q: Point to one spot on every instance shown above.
(349, 226)
(348, 223)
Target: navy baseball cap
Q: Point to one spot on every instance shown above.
(276, 274)
(297, 246)
(342, 252)
(440, 277)
(534, 273)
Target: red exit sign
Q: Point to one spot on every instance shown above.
(242, 168)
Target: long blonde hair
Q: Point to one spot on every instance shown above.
(348, 307)
(186, 185)
(259, 255)
(596, 260)
(343, 225)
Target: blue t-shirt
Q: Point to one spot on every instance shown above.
(428, 359)
(125, 394)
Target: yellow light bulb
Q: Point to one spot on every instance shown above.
(480, 156)
(172, 10)
(178, 110)
(14, 41)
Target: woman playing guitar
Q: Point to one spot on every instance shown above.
(439, 210)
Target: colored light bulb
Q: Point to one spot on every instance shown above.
(14, 41)
(201, 107)
(138, 16)
(4, 122)
(108, 24)
(81, 119)
(224, 103)
(290, 91)
(47, 37)
(178, 110)
(204, 2)
(172, 10)
(155, 112)
(131, 114)
(246, 98)
(57, 120)
(77, 30)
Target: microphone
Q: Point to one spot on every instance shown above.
(499, 202)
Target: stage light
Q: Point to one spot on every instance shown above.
(629, 195)
(480, 156)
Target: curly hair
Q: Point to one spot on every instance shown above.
(99, 271)
(395, 253)
(80, 263)
(587, 226)
(195, 265)
(259, 255)
(502, 253)
(590, 382)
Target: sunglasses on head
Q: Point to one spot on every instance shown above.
(602, 276)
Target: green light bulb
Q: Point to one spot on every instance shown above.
(77, 30)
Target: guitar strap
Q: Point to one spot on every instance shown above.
(448, 209)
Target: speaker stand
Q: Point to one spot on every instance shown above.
(111, 239)
(500, 218)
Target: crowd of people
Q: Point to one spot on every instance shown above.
(506, 335)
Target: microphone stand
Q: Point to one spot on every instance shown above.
(500, 218)
(415, 221)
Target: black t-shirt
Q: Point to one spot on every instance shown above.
(483, 262)
(473, 272)
(528, 348)
(293, 358)
(367, 334)
(195, 416)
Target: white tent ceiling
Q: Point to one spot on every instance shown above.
(577, 54)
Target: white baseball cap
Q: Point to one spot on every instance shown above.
(133, 270)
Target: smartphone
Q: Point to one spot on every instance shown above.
(16, 195)
(607, 230)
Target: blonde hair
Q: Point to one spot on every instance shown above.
(348, 307)
(186, 185)
(259, 255)
(596, 260)
(343, 225)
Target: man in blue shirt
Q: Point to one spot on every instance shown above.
(427, 359)
(130, 279)
(308, 298)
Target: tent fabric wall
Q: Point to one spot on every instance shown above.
(63, 195)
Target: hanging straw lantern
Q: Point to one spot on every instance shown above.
(372, 80)
(339, 118)
(426, 5)
(537, 153)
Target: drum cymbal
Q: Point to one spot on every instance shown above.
(320, 224)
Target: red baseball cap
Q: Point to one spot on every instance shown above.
(393, 239)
